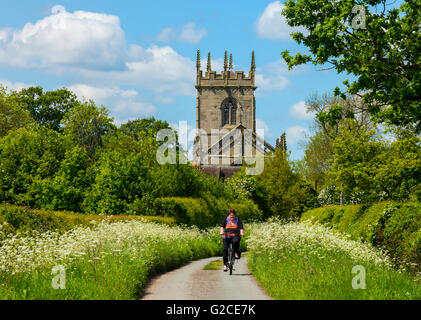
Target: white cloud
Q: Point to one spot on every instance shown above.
(271, 24)
(296, 134)
(271, 77)
(82, 39)
(16, 86)
(166, 35)
(189, 34)
(299, 111)
(270, 82)
(123, 104)
(92, 47)
(160, 69)
(216, 64)
(4, 35)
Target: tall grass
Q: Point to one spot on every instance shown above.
(306, 261)
(108, 261)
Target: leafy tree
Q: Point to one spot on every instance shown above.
(12, 114)
(244, 186)
(332, 111)
(86, 124)
(27, 156)
(119, 180)
(148, 125)
(278, 177)
(380, 47)
(305, 198)
(332, 114)
(66, 190)
(376, 169)
(145, 146)
(318, 152)
(47, 108)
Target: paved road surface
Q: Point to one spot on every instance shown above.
(191, 282)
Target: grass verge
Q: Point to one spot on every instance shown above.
(214, 265)
(108, 261)
(304, 261)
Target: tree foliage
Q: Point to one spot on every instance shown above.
(332, 114)
(374, 168)
(317, 156)
(47, 108)
(86, 124)
(150, 126)
(381, 49)
(288, 195)
(27, 156)
(12, 114)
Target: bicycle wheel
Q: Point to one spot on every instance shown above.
(231, 258)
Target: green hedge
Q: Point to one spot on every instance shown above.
(395, 227)
(206, 211)
(16, 218)
(203, 212)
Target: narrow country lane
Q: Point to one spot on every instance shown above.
(191, 282)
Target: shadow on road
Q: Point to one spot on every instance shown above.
(241, 274)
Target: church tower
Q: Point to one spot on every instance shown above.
(225, 104)
(227, 99)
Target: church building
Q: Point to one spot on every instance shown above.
(226, 119)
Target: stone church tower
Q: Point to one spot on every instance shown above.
(225, 102)
(226, 99)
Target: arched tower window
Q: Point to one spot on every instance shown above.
(229, 112)
(225, 115)
(234, 114)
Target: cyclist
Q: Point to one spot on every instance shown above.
(231, 230)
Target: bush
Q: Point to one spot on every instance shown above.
(328, 196)
(305, 198)
(16, 219)
(206, 211)
(247, 211)
(66, 190)
(402, 232)
(395, 227)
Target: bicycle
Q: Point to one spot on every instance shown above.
(231, 256)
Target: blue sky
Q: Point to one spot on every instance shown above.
(138, 57)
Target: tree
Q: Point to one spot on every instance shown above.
(317, 157)
(119, 180)
(47, 108)
(278, 177)
(379, 46)
(86, 124)
(243, 186)
(27, 156)
(332, 111)
(376, 169)
(148, 125)
(12, 114)
(66, 190)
